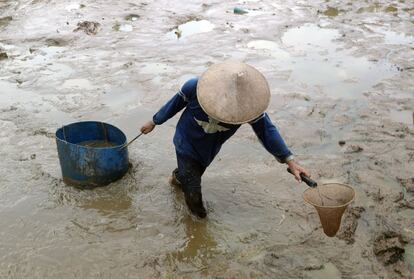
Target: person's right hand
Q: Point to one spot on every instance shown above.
(297, 170)
(148, 127)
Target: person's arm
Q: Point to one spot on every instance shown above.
(271, 139)
(172, 107)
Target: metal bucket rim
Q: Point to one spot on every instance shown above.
(89, 147)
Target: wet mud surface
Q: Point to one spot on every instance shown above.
(342, 78)
(389, 249)
(350, 224)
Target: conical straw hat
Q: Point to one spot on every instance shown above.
(330, 203)
(233, 92)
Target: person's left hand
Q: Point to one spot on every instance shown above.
(297, 170)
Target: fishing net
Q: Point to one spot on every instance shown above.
(330, 201)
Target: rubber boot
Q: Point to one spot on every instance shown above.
(194, 201)
(173, 180)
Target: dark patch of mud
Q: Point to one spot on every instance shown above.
(132, 17)
(4, 21)
(391, 9)
(116, 26)
(187, 18)
(407, 204)
(350, 224)
(398, 197)
(11, 108)
(389, 250)
(3, 56)
(89, 27)
(56, 42)
(43, 132)
(407, 183)
(330, 11)
(353, 149)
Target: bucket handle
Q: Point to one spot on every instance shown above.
(131, 141)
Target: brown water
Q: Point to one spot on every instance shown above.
(333, 77)
(331, 11)
(98, 143)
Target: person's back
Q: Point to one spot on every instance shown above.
(197, 135)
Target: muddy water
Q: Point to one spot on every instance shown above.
(340, 73)
(344, 75)
(403, 116)
(97, 143)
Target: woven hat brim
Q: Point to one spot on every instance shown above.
(233, 92)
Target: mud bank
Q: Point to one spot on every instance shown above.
(342, 78)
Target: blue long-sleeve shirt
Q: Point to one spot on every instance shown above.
(200, 137)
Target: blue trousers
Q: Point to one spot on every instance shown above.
(189, 173)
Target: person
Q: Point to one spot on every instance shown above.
(226, 96)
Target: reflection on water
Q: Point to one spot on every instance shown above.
(310, 37)
(191, 28)
(275, 50)
(126, 28)
(392, 37)
(402, 116)
(45, 54)
(14, 97)
(126, 98)
(317, 60)
(395, 38)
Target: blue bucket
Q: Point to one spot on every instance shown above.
(84, 163)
